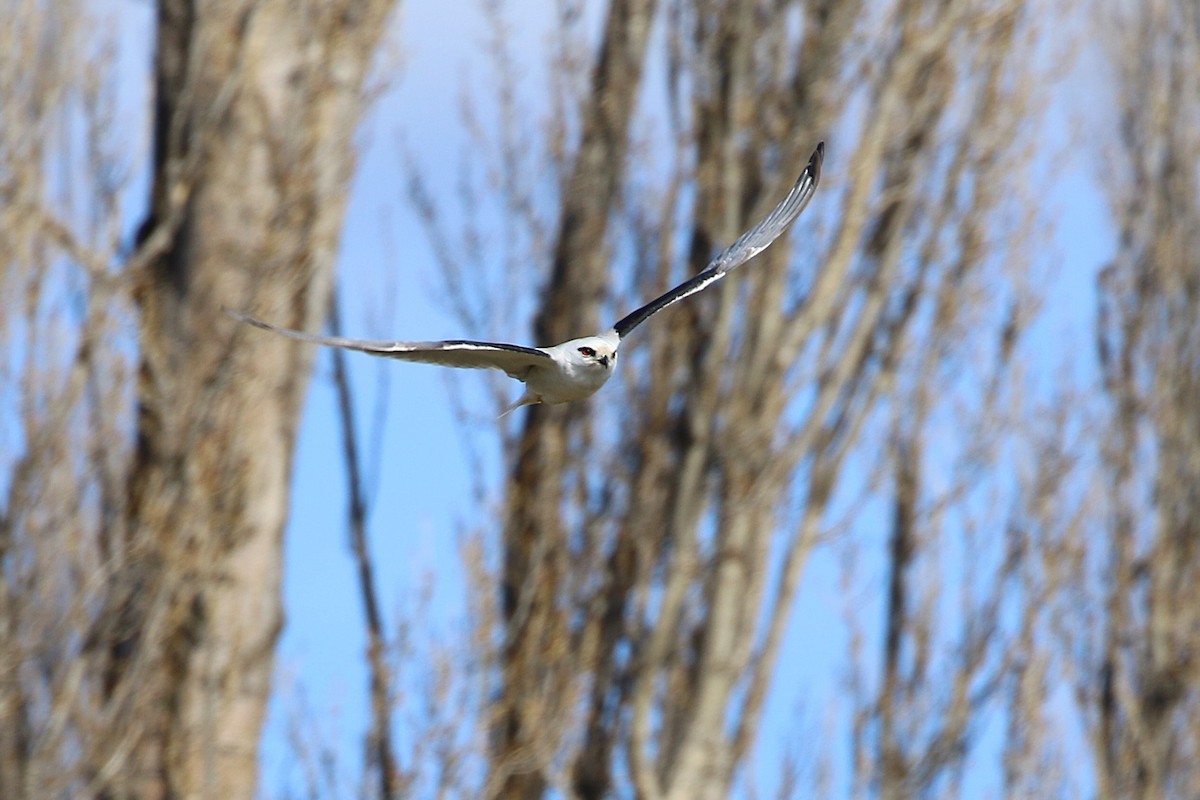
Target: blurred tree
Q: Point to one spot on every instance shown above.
(654, 539)
(871, 376)
(1139, 649)
(142, 529)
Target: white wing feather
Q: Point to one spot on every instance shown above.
(515, 360)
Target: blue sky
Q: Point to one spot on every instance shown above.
(419, 485)
(420, 504)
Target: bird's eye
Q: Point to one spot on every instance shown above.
(587, 351)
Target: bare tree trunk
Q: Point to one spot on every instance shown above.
(537, 640)
(639, 527)
(902, 549)
(1143, 689)
(257, 103)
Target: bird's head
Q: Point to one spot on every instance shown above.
(592, 352)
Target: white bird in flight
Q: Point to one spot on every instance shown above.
(577, 368)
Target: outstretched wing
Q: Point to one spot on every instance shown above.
(513, 359)
(751, 243)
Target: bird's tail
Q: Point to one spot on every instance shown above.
(524, 400)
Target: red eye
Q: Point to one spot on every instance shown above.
(587, 351)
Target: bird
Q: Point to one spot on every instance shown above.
(576, 369)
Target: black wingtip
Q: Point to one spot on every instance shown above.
(815, 161)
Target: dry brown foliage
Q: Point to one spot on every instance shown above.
(1015, 559)
(146, 488)
(654, 539)
(1135, 647)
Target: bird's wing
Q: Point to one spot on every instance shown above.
(513, 359)
(751, 243)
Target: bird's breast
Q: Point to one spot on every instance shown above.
(565, 382)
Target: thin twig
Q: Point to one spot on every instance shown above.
(379, 742)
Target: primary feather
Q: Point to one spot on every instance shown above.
(748, 245)
(513, 359)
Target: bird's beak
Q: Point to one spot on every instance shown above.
(604, 360)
